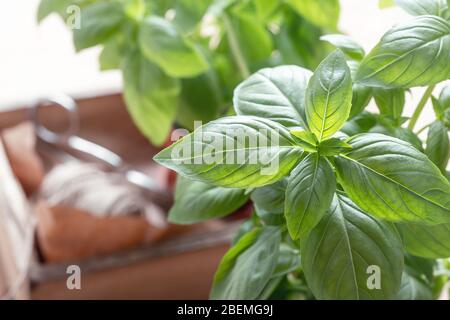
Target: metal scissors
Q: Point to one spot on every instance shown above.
(73, 144)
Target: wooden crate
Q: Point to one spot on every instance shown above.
(179, 268)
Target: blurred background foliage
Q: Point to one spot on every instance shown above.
(181, 59)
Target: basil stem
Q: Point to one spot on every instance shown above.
(420, 106)
(235, 48)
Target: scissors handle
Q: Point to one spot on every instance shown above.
(69, 140)
(51, 136)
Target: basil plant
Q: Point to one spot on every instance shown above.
(348, 204)
(181, 59)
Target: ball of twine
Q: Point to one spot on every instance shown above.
(87, 187)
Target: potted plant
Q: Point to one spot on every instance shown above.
(181, 59)
(348, 204)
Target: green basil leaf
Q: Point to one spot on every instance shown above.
(200, 99)
(261, 10)
(219, 6)
(424, 7)
(438, 145)
(437, 107)
(338, 252)
(112, 54)
(420, 267)
(254, 40)
(386, 125)
(307, 140)
(61, 7)
(46, 7)
(329, 96)
(323, 13)
(269, 202)
(388, 128)
(360, 99)
(414, 53)
(446, 118)
(308, 52)
(188, 13)
(288, 261)
(99, 21)
(385, 177)
(361, 123)
(197, 201)
(246, 268)
(162, 44)
(361, 94)
(308, 195)
(333, 147)
(349, 46)
(159, 7)
(150, 96)
(441, 104)
(444, 97)
(390, 102)
(443, 113)
(245, 227)
(270, 288)
(274, 93)
(426, 241)
(237, 151)
(408, 135)
(135, 9)
(264, 9)
(413, 289)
